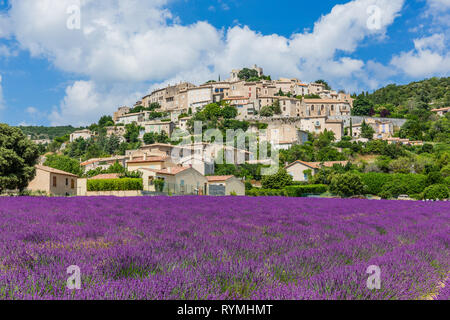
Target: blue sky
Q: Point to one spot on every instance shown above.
(51, 74)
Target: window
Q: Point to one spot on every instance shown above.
(67, 181)
(72, 184)
(54, 181)
(312, 107)
(332, 108)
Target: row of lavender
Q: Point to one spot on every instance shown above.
(222, 248)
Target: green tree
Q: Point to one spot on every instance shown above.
(277, 181)
(362, 106)
(246, 74)
(347, 184)
(149, 138)
(18, 156)
(367, 131)
(326, 85)
(132, 133)
(229, 112)
(63, 163)
(436, 192)
(266, 111)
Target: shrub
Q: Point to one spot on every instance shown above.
(374, 181)
(266, 192)
(277, 181)
(159, 185)
(445, 171)
(126, 184)
(347, 184)
(392, 185)
(437, 191)
(298, 190)
(447, 181)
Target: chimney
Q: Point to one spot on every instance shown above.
(145, 156)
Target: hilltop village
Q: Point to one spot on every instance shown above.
(161, 147)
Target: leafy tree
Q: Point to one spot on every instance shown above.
(229, 112)
(277, 181)
(276, 107)
(401, 165)
(266, 111)
(149, 138)
(63, 163)
(367, 131)
(362, 106)
(105, 121)
(18, 156)
(347, 184)
(246, 74)
(436, 192)
(326, 85)
(132, 133)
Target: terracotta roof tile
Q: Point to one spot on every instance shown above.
(218, 178)
(53, 170)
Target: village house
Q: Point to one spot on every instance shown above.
(225, 186)
(319, 124)
(182, 180)
(157, 127)
(324, 107)
(202, 164)
(298, 169)
(53, 182)
(183, 123)
(130, 118)
(149, 162)
(103, 163)
(441, 111)
(120, 112)
(83, 134)
(383, 129)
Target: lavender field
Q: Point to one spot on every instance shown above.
(223, 248)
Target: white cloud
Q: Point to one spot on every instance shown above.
(138, 42)
(31, 110)
(439, 4)
(85, 102)
(429, 57)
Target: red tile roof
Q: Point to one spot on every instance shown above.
(317, 165)
(149, 159)
(172, 170)
(106, 176)
(56, 171)
(218, 178)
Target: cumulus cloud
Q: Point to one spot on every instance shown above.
(31, 110)
(429, 57)
(138, 42)
(86, 101)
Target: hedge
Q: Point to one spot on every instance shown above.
(298, 191)
(125, 184)
(385, 183)
(375, 181)
(436, 191)
(266, 192)
(289, 191)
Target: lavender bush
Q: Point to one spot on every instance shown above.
(223, 248)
